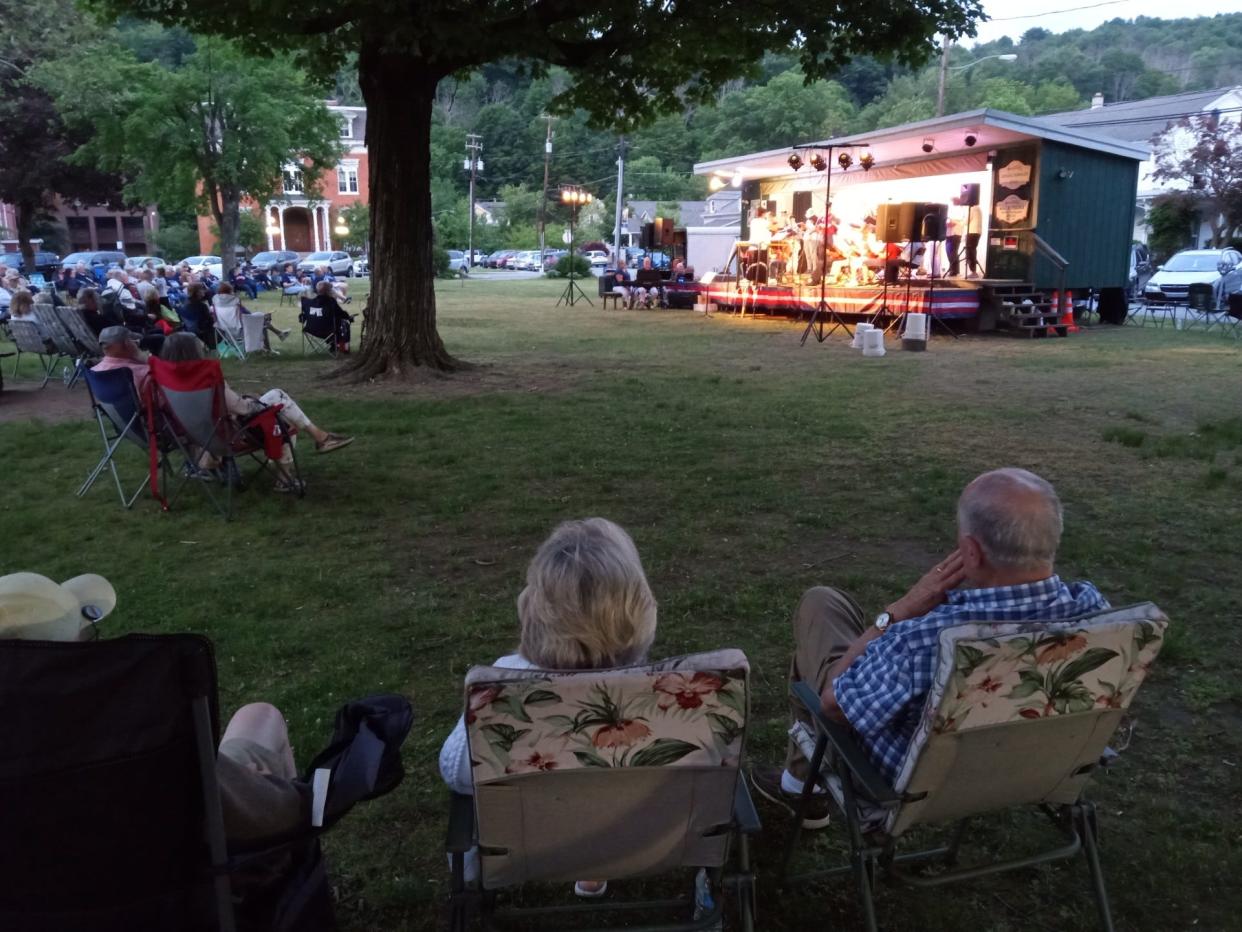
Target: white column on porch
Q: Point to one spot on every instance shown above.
(280, 210)
(327, 227)
(267, 226)
(314, 212)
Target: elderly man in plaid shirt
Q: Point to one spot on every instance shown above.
(876, 676)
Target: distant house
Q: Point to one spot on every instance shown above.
(302, 220)
(489, 212)
(1149, 121)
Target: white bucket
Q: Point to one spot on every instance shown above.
(873, 343)
(859, 331)
(914, 337)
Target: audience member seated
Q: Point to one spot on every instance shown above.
(874, 677)
(121, 351)
(681, 273)
(323, 317)
(254, 763)
(197, 317)
(290, 284)
(243, 282)
(229, 310)
(21, 307)
(586, 606)
(647, 286)
(621, 282)
(88, 306)
(79, 277)
(185, 347)
(340, 290)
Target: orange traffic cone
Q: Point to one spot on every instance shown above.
(1067, 318)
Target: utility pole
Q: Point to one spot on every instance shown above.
(944, 73)
(473, 164)
(543, 206)
(622, 148)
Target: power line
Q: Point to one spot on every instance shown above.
(1072, 9)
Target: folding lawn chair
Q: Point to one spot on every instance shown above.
(188, 407)
(252, 332)
(28, 340)
(230, 342)
(112, 813)
(66, 346)
(121, 417)
(318, 334)
(86, 340)
(606, 774)
(1018, 715)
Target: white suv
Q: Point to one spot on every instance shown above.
(338, 262)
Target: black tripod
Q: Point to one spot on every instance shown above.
(573, 195)
(825, 312)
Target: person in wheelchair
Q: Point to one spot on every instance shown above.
(185, 347)
(323, 318)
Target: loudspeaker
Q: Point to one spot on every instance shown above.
(931, 218)
(1112, 306)
(801, 205)
(668, 234)
(657, 232)
(894, 222)
(969, 196)
(647, 236)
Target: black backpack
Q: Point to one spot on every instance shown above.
(110, 307)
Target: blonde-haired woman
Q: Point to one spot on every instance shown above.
(586, 606)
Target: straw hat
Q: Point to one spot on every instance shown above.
(34, 608)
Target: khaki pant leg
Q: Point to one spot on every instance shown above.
(826, 623)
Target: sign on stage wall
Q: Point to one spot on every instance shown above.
(1013, 189)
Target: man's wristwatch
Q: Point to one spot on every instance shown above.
(883, 620)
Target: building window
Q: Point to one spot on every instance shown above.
(347, 179)
(347, 127)
(293, 181)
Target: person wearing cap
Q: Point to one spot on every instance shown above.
(259, 792)
(120, 348)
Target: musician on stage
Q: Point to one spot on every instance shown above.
(813, 248)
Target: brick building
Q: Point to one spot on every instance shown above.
(304, 222)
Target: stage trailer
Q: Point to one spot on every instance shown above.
(1056, 204)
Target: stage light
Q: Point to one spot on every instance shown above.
(736, 180)
(716, 183)
(866, 160)
(795, 161)
(818, 162)
(845, 160)
(971, 139)
(928, 144)
(341, 229)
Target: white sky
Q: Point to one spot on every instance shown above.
(1040, 13)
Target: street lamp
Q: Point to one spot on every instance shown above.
(945, 69)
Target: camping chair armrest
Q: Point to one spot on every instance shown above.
(745, 818)
(460, 836)
(847, 750)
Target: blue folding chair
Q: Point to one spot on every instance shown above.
(119, 412)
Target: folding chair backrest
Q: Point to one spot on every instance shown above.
(114, 393)
(71, 319)
(606, 773)
(27, 338)
(51, 325)
(252, 332)
(192, 394)
(1020, 713)
(102, 784)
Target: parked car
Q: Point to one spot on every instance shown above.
(1140, 271)
(274, 260)
(338, 262)
(597, 257)
(1220, 268)
(137, 263)
(108, 258)
(634, 256)
(362, 266)
(477, 257)
(527, 261)
(212, 264)
(46, 263)
(504, 258)
(492, 258)
(458, 262)
(553, 256)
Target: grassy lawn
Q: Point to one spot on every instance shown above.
(746, 468)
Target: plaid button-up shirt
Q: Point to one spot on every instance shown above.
(883, 690)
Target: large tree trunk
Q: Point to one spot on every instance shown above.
(25, 217)
(229, 221)
(399, 320)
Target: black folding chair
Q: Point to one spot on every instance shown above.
(112, 816)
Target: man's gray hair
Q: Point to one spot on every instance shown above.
(1014, 515)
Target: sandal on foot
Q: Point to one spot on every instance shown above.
(333, 442)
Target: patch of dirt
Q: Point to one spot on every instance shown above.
(25, 401)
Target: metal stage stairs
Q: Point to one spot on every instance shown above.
(1028, 312)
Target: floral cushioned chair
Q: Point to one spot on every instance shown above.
(606, 774)
(1018, 714)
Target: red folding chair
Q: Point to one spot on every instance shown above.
(188, 404)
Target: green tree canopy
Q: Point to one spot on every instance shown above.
(199, 137)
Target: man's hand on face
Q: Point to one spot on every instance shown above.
(930, 591)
